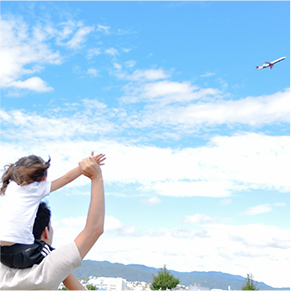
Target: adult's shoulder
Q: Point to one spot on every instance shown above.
(68, 253)
(60, 263)
(54, 268)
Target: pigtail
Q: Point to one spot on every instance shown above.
(44, 167)
(48, 163)
(6, 177)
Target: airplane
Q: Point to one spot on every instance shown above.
(270, 64)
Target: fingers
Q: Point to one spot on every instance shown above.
(86, 163)
(99, 158)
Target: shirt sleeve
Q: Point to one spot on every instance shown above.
(44, 188)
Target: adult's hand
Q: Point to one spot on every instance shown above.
(90, 168)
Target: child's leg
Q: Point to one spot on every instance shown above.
(24, 256)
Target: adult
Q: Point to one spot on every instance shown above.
(43, 231)
(58, 265)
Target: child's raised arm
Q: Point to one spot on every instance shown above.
(74, 174)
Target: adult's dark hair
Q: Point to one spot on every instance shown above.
(25, 171)
(42, 220)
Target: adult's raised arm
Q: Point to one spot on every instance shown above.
(95, 219)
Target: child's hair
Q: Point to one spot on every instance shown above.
(25, 171)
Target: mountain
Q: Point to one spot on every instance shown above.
(212, 280)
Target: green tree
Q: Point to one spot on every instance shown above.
(249, 283)
(91, 287)
(164, 280)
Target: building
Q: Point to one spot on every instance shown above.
(197, 287)
(107, 283)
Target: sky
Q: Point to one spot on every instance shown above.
(197, 139)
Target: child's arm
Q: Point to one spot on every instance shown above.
(64, 180)
(74, 174)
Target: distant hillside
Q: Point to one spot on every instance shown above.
(142, 273)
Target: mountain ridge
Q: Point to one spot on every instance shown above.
(136, 272)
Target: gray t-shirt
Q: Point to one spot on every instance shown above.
(54, 268)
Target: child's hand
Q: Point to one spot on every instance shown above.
(99, 158)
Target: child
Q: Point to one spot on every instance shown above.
(24, 185)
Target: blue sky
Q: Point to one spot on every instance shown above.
(196, 139)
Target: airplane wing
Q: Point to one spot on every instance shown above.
(271, 65)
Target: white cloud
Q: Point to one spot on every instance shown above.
(94, 104)
(148, 75)
(93, 52)
(69, 227)
(103, 28)
(140, 76)
(130, 64)
(53, 126)
(211, 170)
(79, 37)
(259, 209)
(71, 222)
(126, 50)
(165, 91)
(208, 74)
(235, 249)
(72, 34)
(226, 201)
(117, 66)
(22, 52)
(199, 219)
(111, 51)
(112, 223)
(192, 188)
(251, 111)
(191, 108)
(33, 83)
(25, 50)
(280, 204)
(64, 31)
(151, 201)
(92, 72)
